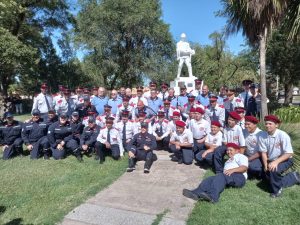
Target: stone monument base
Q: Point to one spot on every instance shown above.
(189, 82)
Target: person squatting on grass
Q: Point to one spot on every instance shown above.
(276, 149)
(233, 175)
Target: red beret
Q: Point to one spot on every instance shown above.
(239, 109)
(161, 113)
(109, 121)
(175, 113)
(167, 102)
(180, 123)
(216, 123)
(142, 113)
(272, 118)
(44, 86)
(91, 112)
(193, 109)
(252, 119)
(235, 115)
(191, 97)
(125, 113)
(213, 98)
(126, 98)
(232, 145)
(164, 85)
(198, 81)
(199, 110)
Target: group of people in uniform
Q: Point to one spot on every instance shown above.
(196, 126)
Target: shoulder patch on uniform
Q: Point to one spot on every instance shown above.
(166, 121)
(120, 105)
(238, 100)
(221, 106)
(225, 99)
(185, 105)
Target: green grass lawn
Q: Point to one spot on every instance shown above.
(44, 191)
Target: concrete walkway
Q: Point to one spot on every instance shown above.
(137, 198)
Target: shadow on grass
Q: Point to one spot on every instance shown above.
(2, 209)
(17, 221)
(263, 185)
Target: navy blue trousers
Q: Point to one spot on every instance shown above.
(146, 156)
(255, 168)
(13, 149)
(72, 145)
(101, 150)
(278, 181)
(184, 154)
(208, 158)
(215, 185)
(218, 158)
(40, 147)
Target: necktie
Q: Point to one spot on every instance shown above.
(161, 128)
(47, 103)
(231, 107)
(124, 132)
(214, 116)
(199, 93)
(108, 136)
(164, 96)
(246, 100)
(167, 114)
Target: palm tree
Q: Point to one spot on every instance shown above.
(255, 18)
(293, 19)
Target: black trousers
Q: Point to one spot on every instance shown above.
(101, 151)
(13, 149)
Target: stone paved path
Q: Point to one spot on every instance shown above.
(137, 198)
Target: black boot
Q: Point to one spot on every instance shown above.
(148, 162)
(131, 165)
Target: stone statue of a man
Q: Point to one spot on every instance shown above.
(184, 55)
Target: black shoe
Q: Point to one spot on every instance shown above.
(297, 177)
(190, 194)
(276, 195)
(146, 170)
(130, 169)
(46, 157)
(79, 158)
(180, 161)
(174, 159)
(206, 197)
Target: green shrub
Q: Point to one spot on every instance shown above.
(289, 114)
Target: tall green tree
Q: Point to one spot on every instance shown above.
(24, 28)
(255, 18)
(292, 23)
(124, 40)
(283, 58)
(217, 66)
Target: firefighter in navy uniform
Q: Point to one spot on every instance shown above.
(34, 135)
(141, 148)
(52, 117)
(89, 136)
(10, 136)
(60, 136)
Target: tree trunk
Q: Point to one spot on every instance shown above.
(288, 94)
(262, 62)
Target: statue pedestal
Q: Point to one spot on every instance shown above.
(189, 82)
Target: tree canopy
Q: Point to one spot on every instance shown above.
(124, 40)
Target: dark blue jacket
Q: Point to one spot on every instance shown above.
(9, 133)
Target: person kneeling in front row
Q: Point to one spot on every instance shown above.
(141, 148)
(234, 175)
